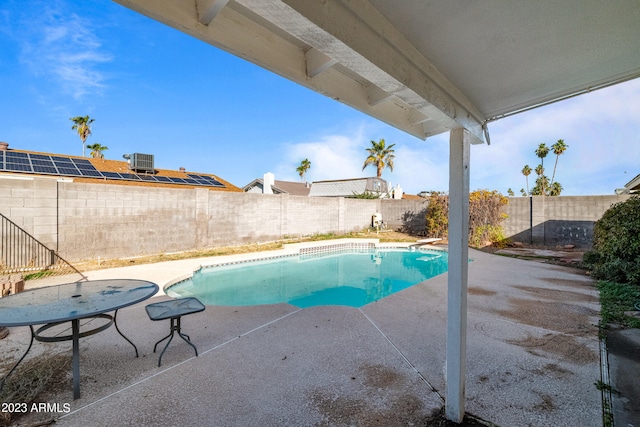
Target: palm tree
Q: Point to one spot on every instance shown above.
(97, 150)
(558, 148)
(526, 171)
(303, 168)
(380, 156)
(541, 182)
(542, 152)
(555, 189)
(82, 126)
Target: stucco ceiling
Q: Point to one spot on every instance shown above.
(425, 67)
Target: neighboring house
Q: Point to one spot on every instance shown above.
(349, 187)
(139, 170)
(631, 187)
(277, 187)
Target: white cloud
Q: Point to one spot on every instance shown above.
(419, 165)
(601, 129)
(63, 46)
(331, 157)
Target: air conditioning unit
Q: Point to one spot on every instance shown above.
(141, 162)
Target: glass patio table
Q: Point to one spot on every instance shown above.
(71, 302)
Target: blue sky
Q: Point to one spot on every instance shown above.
(154, 90)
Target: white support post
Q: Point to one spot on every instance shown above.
(459, 153)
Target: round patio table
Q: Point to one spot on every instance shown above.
(53, 305)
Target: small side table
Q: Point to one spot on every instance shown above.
(174, 309)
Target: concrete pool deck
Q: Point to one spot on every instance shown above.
(532, 357)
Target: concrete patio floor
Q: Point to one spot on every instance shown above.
(532, 357)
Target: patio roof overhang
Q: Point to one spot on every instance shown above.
(423, 67)
(427, 67)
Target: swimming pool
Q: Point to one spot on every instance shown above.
(352, 277)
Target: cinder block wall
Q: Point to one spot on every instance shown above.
(552, 221)
(86, 221)
(31, 203)
(407, 215)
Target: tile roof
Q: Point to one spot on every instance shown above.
(122, 167)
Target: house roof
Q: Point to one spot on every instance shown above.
(279, 187)
(633, 186)
(292, 187)
(347, 187)
(83, 169)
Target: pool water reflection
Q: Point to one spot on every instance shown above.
(351, 278)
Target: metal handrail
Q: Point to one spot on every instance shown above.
(20, 252)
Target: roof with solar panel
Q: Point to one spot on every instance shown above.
(138, 170)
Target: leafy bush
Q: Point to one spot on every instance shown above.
(485, 216)
(615, 255)
(438, 215)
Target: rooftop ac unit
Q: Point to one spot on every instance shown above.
(141, 162)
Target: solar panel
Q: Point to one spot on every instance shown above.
(19, 167)
(67, 170)
(14, 155)
(88, 167)
(14, 159)
(130, 176)
(57, 165)
(86, 172)
(207, 180)
(61, 159)
(45, 169)
(41, 162)
(112, 175)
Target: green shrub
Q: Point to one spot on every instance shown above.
(615, 255)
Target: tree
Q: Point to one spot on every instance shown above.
(526, 171)
(510, 192)
(303, 168)
(555, 189)
(558, 148)
(542, 182)
(544, 186)
(542, 152)
(97, 150)
(380, 156)
(82, 124)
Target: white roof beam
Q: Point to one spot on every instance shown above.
(377, 95)
(209, 9)
(361, 39)
(276, 37)
(317, 62)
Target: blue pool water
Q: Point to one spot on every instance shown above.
(352, 278)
